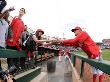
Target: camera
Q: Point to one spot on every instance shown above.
(4, 74)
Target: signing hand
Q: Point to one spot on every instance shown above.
(10, 78)
(57, 41)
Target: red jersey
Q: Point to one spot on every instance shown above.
(84, 41)
(67, 52)
(17, 26)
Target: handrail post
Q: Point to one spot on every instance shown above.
(82, 69)
(74, 60)
(36, 54)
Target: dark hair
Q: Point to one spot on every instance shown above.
(23, 9)
(39, 37)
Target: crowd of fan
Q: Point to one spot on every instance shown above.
(14, 33)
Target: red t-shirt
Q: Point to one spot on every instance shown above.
(84, 41)
(17, 26)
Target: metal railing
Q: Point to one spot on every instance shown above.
(8, 53)
(83, 67)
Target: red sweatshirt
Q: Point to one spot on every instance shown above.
(84, 41)
(17, 26)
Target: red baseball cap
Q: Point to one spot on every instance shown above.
(40, 30)
(76, 28)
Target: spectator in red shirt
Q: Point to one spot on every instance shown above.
(67, 51)
(84, 41)
(60, 54)
(17, 27)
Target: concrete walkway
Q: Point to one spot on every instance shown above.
(62, 73)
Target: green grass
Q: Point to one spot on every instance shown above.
(105, 54)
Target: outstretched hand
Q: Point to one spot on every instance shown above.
(52, 42)
(10, 78)
(56, 41)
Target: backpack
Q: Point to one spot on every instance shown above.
(29, 42)
(26, 41)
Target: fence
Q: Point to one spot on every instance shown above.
(26, 74)
(83, 67)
